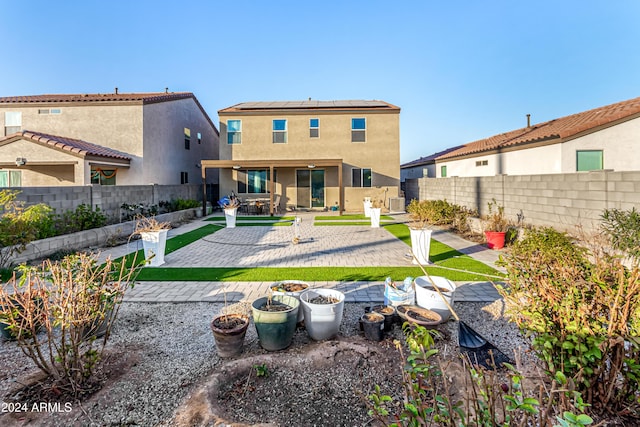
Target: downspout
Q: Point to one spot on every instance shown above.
(204, 191)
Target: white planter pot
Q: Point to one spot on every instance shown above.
(375, 217)
(367, 207)
(420, 245)
(427, 297)
(154, 244)
(322, 321)
(230, 217)
(295, 294)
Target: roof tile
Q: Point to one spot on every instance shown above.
(77, 146)
(564, 127)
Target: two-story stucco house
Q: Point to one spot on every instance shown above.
(109, 139)
(607, 137)
(310, 154)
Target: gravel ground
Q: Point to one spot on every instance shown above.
(160, 357)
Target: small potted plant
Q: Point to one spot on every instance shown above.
(154, 238)
(229, 205)
(230, 328)
(376, 207)
(420, 233)
(323, 309)
(495, 225)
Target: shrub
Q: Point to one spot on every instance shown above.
(583, 313)
(70, 300)
(82, 218)
(484, 398)
(436, 212)
(16, 230)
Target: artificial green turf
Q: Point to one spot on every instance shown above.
(349, 217)
(336, 223)
(253, 218)
(309, 274)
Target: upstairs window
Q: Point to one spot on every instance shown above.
(184, 177)
(361, 177)
(482, 163)
(199, 138)
(443, 171)
(234, 131)
(589, 160)
(187, 138)
(314, 128)
(279, 131)
(44, 111)
(358, 130)
(12, 122)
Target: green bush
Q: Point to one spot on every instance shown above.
(82, 218)
(16, 230)
(582, 312)
(477, 397)
(436, 212)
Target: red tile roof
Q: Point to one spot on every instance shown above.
(77, 146)
(557, 129)
(144, 98)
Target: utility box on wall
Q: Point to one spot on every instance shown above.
(396, 205)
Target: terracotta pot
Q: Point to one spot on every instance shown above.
(229, 341)
(495, 239)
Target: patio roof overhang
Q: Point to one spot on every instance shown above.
(271, 164)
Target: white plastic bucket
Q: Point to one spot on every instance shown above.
(367, 207)
(427, 297)
(322, 321)
(420, 245)
(295, 294)
(230, 217)
(154, 244)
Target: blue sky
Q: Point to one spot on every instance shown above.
(459, 70)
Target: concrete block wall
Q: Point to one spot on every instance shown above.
(92, 238)
(562, 201)
(108, 198)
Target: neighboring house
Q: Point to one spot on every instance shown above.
(109, 139)
(310, 154)
(603, 138)
(424, 167)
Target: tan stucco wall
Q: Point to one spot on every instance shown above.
(33, 175)
(127, 128)
(380, 152)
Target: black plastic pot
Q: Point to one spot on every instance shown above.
(10, 335)
(373, 326)
(389, 313)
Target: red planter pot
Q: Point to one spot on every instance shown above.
(495, 239)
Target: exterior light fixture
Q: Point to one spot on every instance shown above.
(311, 166)
(236, 167)
(21, 161)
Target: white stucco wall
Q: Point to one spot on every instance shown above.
(620, 145)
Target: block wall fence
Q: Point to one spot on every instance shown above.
(562, 201)
(108, 198)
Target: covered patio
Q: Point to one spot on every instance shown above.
(272, 165)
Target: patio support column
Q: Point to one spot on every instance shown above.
(271, 190)
(204, 191)
(341, 188)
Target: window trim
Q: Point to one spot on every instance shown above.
(187, 139)
(357, 130)
(315, 128)
(234, 133)
(578, 152)
(279, 131)
(362, 177)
